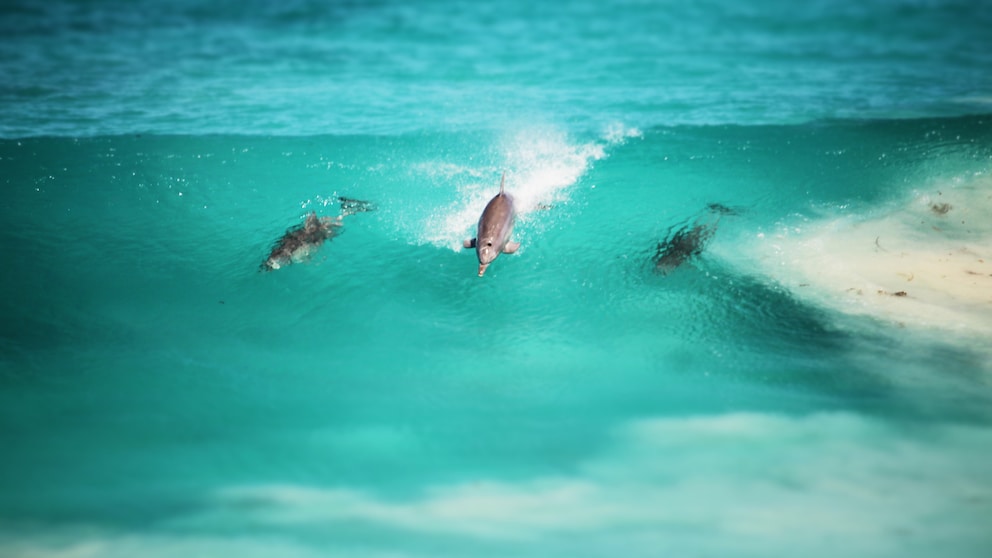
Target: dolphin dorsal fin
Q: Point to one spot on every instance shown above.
(502, 179)
(311, 220)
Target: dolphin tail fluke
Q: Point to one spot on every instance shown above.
(350, 206)
(511, 247)
(469, 243)
(720, 209)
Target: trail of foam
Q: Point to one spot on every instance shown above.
(726, 485)
(924, 264)
(541, 164)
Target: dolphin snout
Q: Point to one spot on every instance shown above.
(482, 269)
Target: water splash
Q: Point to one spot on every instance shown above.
(541, 165)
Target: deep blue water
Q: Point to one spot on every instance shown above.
(814, 381)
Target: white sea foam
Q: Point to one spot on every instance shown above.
(661, 474)
(741, 484)
(617, 134)
(924, 263)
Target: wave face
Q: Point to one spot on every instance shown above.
(810, 363)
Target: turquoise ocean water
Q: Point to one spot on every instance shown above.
(815, 382)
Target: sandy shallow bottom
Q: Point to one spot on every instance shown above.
(925, 263)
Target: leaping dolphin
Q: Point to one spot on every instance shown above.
(495, 226)
(302, 241)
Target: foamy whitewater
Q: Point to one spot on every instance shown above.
(750, 314)
(925, 263)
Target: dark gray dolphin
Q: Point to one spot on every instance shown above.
(299, 243)
(689, 240)
(681, 245)
(495, 226)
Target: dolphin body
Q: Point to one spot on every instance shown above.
(681, 245)
(689, 240)
(495, 226)
(302, 241)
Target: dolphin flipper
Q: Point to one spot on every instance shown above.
(469, 243)
(511, 247)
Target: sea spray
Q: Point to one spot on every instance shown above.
(542, 165)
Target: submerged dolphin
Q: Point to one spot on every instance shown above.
(302, 241)
(495, 226)
(689, 240)
(681, 245)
